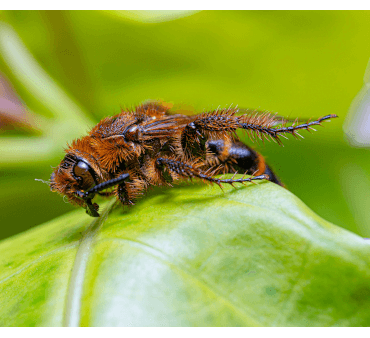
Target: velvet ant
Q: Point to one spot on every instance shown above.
(149, 145)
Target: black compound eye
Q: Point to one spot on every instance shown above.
(82, 171)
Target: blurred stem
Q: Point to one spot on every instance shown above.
(22, 150)
(27, 121)
(33, 77)
(70, 120)
(18, 150)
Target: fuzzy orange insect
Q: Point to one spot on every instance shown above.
(148, 146)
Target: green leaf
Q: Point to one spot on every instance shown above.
(193, 255)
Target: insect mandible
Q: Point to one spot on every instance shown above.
(149, 145)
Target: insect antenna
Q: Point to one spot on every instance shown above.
(40, 180)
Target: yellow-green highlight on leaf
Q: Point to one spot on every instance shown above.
(73, 304)
(192, 255)
(152, 16)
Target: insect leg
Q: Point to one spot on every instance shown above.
(105, 185)
(226, 121)
(127, 192)
(264, 126)
(87, 196)
(240, 157)
(92, 209)
(187, 170)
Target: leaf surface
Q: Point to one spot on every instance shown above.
(188, 256)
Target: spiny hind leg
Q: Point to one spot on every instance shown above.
(184, 170)
(262, 125)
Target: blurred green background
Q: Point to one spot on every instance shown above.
(62, 71)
